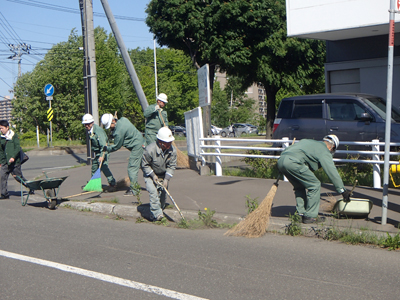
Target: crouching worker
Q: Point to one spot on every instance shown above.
(99, 140)
(299, 161)
(158, 165)
(10, 158)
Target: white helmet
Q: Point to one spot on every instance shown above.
(333, 139)
(162, 97)
(106, 120)
(87, 119)
(165, 134)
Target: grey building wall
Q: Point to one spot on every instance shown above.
(361, 65)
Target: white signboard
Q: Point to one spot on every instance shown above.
(194, 131)
(203, 80)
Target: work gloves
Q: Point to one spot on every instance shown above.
(154, 177)
(165, 183)
(346, 196)
(157, 107)
(105, 149)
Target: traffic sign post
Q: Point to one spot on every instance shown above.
(49, 91)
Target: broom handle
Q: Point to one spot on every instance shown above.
(104, 153)
(162, 119)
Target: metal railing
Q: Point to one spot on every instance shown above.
(374, 153)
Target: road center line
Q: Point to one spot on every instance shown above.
(103, 277)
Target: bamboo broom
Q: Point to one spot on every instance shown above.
(256, 223)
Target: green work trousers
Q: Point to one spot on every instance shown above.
(135, 159)
(307, 188)
(104, 168)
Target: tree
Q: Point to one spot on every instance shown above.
(176, 77)
(245, 38)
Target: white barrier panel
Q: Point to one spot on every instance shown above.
(194, 132)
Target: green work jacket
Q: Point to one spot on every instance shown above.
(153, 120)
(315, 154)
(10, 148)
(125, 134)
(98, 139)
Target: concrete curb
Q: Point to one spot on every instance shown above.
(277, 225)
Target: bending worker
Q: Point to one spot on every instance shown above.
(159, 164)
(156, 118)
(98, 139)
(299, 161)
(125, 134)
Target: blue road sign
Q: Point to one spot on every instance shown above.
(49, 90)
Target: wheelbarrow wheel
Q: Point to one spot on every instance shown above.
(51, 200)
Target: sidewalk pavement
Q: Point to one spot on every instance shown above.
(226, 195)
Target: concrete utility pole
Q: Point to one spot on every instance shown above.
(92, 75)
(19, 50)
(86, 71)
(125, 55)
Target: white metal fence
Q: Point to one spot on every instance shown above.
(216, 143)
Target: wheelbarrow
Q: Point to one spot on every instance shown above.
(49, 186)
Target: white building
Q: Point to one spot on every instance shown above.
(356, 34)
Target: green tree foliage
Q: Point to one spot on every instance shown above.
(62, 66)
(245, 38)
(231, 105)
(176, 77)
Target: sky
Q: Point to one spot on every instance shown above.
(44, 23)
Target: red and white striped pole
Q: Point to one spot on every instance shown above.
(394, 7)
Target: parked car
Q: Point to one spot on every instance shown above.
(178, 130)
(255, 128)
(239, 129)
(350, 116)
(215, 130)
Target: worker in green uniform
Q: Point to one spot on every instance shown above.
(98, 139)
(10, 158)
(156, 118)
(125, 134)
(299, 161)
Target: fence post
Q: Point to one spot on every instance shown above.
(218, 162)
(375, 167)
(284, 146)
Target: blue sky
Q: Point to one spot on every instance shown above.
(41, 27)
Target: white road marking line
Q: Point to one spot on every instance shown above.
(103, 277)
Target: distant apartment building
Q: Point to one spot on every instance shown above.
(255, 92)
(5, 108)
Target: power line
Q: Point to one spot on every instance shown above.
(6, 83)
(69, 10)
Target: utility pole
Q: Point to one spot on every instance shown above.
(90, 107)
(19, 50)
(92, 76)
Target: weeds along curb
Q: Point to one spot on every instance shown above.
(131, 211)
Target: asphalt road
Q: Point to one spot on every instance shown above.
(201, 263)
(84, 255)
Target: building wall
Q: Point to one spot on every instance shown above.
(255, 92)
(5, 109)
(337, 19)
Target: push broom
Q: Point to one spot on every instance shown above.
(94, 184)
(256, 223)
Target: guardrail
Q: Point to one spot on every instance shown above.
(374, 153)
